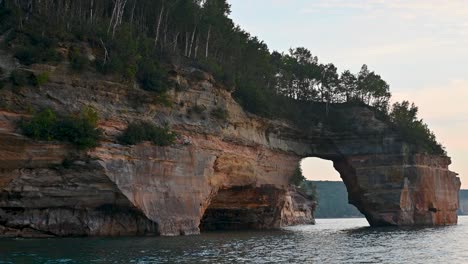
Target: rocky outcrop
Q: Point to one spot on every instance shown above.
(231, 173)
(401, 189)
(298, 208)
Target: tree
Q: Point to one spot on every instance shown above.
(414, 130)
(298, 178)
(348, 85)
(362, 82)
(214, 14)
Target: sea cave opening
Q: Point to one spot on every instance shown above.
(321, 195)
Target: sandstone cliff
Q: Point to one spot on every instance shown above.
(230, 173)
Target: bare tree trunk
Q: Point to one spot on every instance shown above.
(106, 54)
(165, 28)
(191, 41)
(159, 25)
(117, 15)
(91, 12)
(133, 12)
(207, 42)
(176, 39)
(121, 13)
(114, 11)
(187, 34)
(196, 47)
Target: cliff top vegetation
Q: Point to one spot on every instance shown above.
(140, 40)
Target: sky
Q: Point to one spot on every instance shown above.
(420, 47)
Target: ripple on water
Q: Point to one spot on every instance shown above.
(330, 241)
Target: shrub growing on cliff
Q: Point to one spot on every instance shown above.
(78, 62)
(34, 47)
(41, 78)
(220, 114)
(196, 109)
(414, 130)
(41, 126)
(24, 78)
(308, 188)
(144, 131)
(297, 179)
(151, 77)
(80, 130)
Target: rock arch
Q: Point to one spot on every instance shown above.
(167, 190)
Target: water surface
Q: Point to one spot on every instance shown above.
(330, 241)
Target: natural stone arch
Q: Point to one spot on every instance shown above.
(170, 188)
(401, 189)
(387, 189)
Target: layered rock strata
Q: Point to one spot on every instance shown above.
(231, 173)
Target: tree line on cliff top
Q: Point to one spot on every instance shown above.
(138, 39)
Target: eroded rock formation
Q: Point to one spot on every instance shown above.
(233, 171)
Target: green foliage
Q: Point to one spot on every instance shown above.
(163, 99)
(28, 55)
(123, 54)
(298, 178)
(42, 78)
(306, 187)
(78, 62)
(414, 130)
(254, 100)
(221, 74)
(151, 76)
(23, 78)
(80, 130)
(220, 113)
(141, 44)
(42, 126)
(33, 47)
(144, 131)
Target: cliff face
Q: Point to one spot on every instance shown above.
(223, 174)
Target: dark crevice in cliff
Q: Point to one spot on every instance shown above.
(243, 207)
(264, 207)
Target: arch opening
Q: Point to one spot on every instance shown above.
(244, 207)
(273, 206)
(330, 191)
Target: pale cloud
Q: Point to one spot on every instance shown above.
(398, 48)
(430, 14)
(412, 8)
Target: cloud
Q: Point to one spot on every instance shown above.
(441, 7)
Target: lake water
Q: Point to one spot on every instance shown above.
(329, 241)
